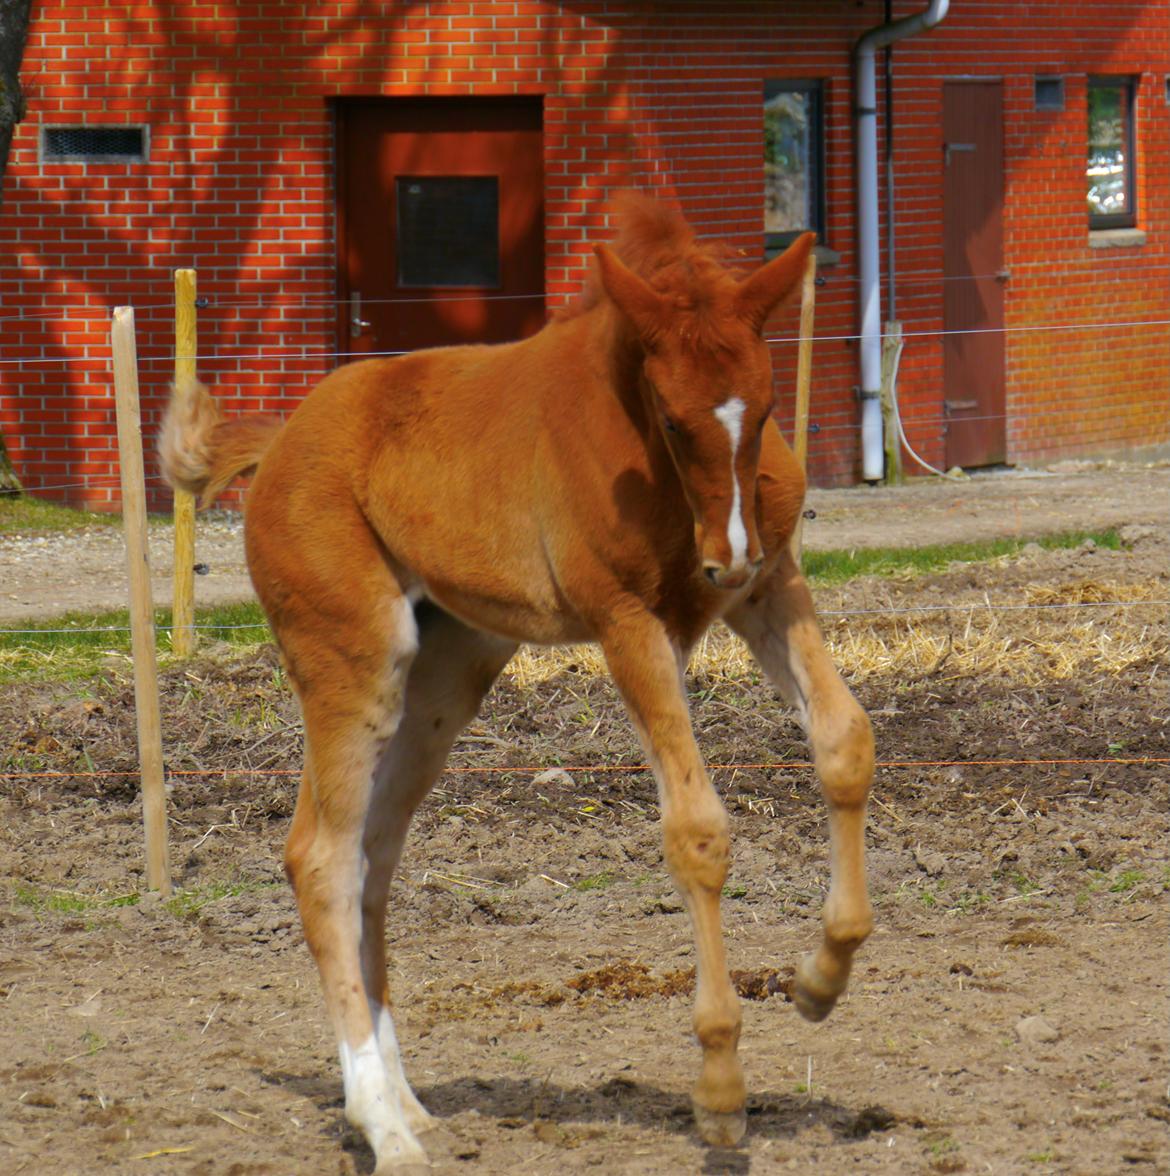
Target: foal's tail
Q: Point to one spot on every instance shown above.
(201, 450)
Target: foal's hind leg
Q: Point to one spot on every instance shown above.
(696, 846)
(779, 624)
(348, 654)
(453, 670)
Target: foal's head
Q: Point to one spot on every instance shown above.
(706, 377)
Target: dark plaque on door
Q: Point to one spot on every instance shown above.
(448, 230)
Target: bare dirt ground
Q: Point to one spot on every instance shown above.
(1008, 1015)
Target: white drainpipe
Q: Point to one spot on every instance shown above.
(868, 246)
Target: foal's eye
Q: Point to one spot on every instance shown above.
(669, 425)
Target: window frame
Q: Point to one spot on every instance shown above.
(48, 156)
(1128, 85)
(815, 88)
(1048, 93)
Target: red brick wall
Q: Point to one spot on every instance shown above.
(667, 97)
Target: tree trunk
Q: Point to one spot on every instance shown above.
(9, 482)
(13, 35)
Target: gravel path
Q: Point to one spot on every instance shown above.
(48, 575)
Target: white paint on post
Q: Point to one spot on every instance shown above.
(146, 705)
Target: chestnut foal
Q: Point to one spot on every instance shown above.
(616, 478)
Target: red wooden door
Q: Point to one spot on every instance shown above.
(441, 222)
(973, 292)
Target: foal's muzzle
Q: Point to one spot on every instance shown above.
(730, 577)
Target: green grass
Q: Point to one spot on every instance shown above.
(942, 1146)
(183, 904)
(1023, 884)
(186, 904)
(67, 902)
(937, 895)
(1041, 1157)
(21, 515)
(79, 645)
(836, 567)
(1126, 881)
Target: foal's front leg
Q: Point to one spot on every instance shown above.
(779, 624)
(696, 844)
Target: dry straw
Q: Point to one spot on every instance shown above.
(1026, 648)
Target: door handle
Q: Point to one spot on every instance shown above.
(950, 148)
(357, 325)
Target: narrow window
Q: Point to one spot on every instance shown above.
(88, 144)
(794, 175)
(1110, 170)
(1049, 93)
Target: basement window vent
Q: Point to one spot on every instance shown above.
(94, 144)
(1049, 93)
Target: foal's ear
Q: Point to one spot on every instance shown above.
(631, 294)
(759, 294)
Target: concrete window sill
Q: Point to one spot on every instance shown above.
(825, 255)
(1116, 238)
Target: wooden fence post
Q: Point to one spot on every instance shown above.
(891, 345)
(183, 602)
(146, 705)
(808, 296)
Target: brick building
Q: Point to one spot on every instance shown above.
(307, 160)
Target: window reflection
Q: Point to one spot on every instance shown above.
(1109, 168)
(793, 135)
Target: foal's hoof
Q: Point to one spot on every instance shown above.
(400, 1160)
(813, 998)
(419, 1119)
(720, 1128)
(404, 1166)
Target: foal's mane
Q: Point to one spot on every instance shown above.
(656, 242)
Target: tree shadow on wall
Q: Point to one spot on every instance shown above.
(231, 98)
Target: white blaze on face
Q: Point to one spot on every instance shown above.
(730, 416)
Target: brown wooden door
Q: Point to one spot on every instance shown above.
(441, 222)
(973, 292)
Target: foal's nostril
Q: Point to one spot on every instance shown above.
(712, 571)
